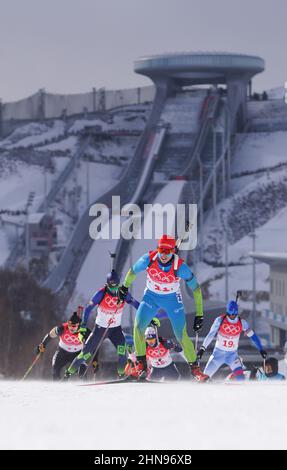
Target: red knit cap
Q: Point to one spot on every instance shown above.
(166, 243)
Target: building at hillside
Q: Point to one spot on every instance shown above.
(276, 315)
(42, 233)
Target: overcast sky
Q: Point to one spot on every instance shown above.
(70, 46)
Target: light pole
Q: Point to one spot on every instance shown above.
(45, 187)
(253, 236)
(88, 180)
(214, 167)
(226, 265)
(131, 291)
(227, 141)
(27, 231)
(200, 204)
(75, 191)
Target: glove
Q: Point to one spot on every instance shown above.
(82, 333)
(40, 348)
(129, 348)
(197, 325)
(177, 348)
(200, 352)
(122, 293)
(263, 353)
(80, 310)
(155, 322)
(253, 373)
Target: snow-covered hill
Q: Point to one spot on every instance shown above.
(186, 415)
(257, 200)
(257, 191)
(35, 154)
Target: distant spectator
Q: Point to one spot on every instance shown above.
(264, 96)
(271, 370)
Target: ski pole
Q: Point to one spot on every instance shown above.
(101, 342)
(196, 341)
(31, 366)
(180, 239)
(238, 295)
(80, 310)
(157, 339)
(264, 365)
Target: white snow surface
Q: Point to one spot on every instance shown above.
(118, 122)
(70, 143)
(258, 151)
(21, 132)
(14, 190)
(43, 415)
(37, 134)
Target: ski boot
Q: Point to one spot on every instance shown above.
(83, 371)
(197, 373)
(67, 375)
(121, 372)
(137, 370)
(141, 367)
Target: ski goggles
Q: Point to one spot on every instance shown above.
(165, 251)
(73, 326)
(113, 287)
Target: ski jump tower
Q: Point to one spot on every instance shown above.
(173, 71)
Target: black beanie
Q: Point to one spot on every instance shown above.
(273, 362)
(75, 318)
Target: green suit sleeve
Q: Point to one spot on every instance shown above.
(130, 277)
(197, 295)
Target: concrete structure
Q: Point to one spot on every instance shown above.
(42, 233)
(206, 163)
(277, 313)
(196, 68)
(45, 105)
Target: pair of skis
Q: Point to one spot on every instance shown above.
(119, 381)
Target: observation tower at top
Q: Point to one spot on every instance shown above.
(173, 71)
(192, 68)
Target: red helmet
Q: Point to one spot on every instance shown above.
(166, 244)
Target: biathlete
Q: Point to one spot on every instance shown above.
(227, 330)
(164, 271)
(107, 324)
(69, 344)
(160, 365)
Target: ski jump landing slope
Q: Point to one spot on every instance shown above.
(97, 264)
(186, 415)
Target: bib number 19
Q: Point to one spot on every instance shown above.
(228, 344)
